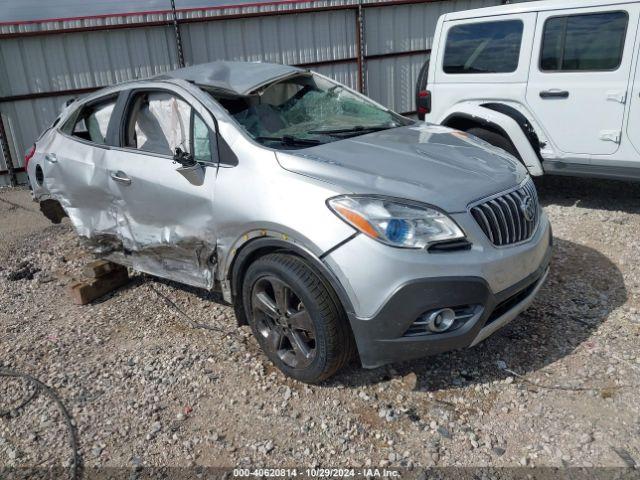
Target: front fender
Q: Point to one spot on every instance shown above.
(500, 122)
(255, 244)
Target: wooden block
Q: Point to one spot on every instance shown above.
(83, 292)
(100, 268)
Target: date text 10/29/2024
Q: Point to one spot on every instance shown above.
(317, 472)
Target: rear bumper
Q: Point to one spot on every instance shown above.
(382, 339)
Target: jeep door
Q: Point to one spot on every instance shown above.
(579, 77)
(165, 214)
(633, 125)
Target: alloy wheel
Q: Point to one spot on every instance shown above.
(283, 322)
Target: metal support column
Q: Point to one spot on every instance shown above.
(6, 151)
(360, 47)
(176, 29)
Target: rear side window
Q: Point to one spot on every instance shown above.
(488, 47)
(91, 122)
(592, 42)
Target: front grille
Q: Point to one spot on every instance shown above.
(511, 217)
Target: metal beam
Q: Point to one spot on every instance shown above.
(360, 49)
(54, 93)
(406, 53)
(6, 152)
(176, 30)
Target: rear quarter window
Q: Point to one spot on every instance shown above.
(91, 122)
(591, 42)
(487, 47)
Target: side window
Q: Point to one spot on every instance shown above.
(159, 122)
(592, 42)
(91, 122)
(488, 47)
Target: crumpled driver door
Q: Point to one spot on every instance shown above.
(165, 219)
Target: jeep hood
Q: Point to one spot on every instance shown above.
(427, 163)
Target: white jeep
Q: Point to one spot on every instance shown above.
(555, 83)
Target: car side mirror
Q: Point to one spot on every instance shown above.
(183, 158)
(191, 170)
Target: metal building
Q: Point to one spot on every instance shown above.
(375, 46)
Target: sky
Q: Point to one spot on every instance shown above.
(25, 10)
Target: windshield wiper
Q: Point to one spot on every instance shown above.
(291, 141)
(358, 129)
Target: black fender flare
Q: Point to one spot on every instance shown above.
(483, 122)
(265, 245)
(521, 120)
(515, 115)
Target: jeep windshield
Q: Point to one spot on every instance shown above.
(306, 110)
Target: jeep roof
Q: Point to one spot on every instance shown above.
(544, 5)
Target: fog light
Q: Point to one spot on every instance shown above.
(441, 320)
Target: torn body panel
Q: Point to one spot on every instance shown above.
(76, 175)
(190, 261)
(158, 224)
(134, 206)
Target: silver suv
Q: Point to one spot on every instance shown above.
(332, 224)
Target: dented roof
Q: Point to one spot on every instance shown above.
(240, 78)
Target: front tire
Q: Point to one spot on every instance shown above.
(297, 321)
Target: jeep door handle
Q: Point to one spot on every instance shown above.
(51, 158)
(120, 177)
(554, 94)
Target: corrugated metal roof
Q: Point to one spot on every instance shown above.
(392, 81)
(81, 60)
(301, 39)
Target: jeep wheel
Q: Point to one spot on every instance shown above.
(295, 318)
(496, 140)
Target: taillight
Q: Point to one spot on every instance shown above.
(28, 157)
(424, 102)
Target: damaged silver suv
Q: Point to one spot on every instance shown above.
(333, 225)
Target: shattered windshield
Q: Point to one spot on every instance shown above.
(307, 110)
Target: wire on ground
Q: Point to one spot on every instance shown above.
(42, 387)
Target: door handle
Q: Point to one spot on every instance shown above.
(554, 94)
(51, 158)
(121, 177)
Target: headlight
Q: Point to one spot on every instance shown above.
(394, 222)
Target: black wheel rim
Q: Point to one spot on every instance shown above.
(283, 322)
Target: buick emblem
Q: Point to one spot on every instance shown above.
(528, 207)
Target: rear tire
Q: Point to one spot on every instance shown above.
(296, 320)
(496, 140)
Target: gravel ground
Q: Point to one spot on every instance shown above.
(557, 387)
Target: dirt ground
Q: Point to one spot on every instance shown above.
(146, 386)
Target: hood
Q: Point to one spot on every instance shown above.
(426, 163)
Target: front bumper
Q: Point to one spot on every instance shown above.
(382, 338)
